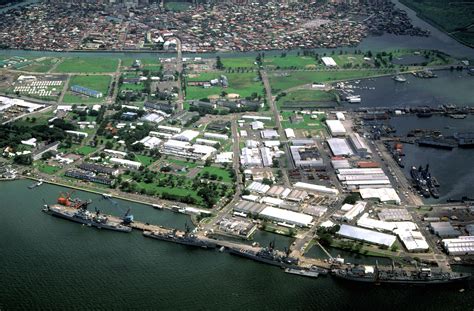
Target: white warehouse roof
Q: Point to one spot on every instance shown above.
(286, 216)
(385, 195)
(336, 128)
(340, 147)
(316, 188)
(370, 236)
(328, 61)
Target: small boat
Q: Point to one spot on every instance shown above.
(37, 184)
(106, 195)
(399, 78)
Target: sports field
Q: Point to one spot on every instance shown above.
(88, 65)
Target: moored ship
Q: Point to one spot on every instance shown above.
(185, 238)
(268, 255)
(80, 214)
(423, 276)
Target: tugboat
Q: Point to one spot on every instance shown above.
(80, 214)
(422, 276)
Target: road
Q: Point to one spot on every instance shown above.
(179, 69)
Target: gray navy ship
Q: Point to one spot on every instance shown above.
(422, 276)
(185, 238)
(79, 213)
(268, 255)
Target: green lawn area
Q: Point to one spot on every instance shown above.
(145, 160)
(189, 164)
(238, 62)
(342, 59)
(128, 61)
(219, 172)
(280, 82)
(41, 66)
(98, 83)
(48, 169)
(86, 150)
(91, 65)
(177, 6)
(290, 61)
(307, 124)
(305, 96)
(243, 84)
(132, 87)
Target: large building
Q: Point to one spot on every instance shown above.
(336, 128)
(86, 91)
(306, 156)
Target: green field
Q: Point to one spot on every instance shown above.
(48, 169)
(454, 17)
(87, 65)
(43, 65)
(238, 62)
(307, 123)
(85, 150)
(344, 59)
(98, 83)
(281, 82)
(243, 84)
(182, 163)
(219, 172)
(305, 96)
(289, 61)
(145, 160)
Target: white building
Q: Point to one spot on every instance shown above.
(328, 61)
(78, 134)
(370, 236)
(316, 188)
(340, 147)
(269, 134)
(336, 128)
(127, 163)
(286, 216)
(29, 142)
(360, 145)
(216, 136)
(186, 135)
(250, 157)
(257, 125)
(384, 195)
(290, 133)
(169, 129)
(150, 142)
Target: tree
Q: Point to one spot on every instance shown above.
(23, 159)
(219, 64)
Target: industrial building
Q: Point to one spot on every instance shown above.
(328, 61)
(363, 178)
(99, 169)
(290, 133)
(187, 150)
(286, 217)
(150, 142)
(86, 91)
(340, 147)
(316, 188)
(216, 136)
(169, 129)
(369, 236)
(269, 134)
(384, 195)
(250, 157)
(186, 135)
(258, 187)
(306, 156)
(444, 229)
(463, 245)
(127, 163)
(89, 176)
(360, 145)
(336, 128)
(354, 211)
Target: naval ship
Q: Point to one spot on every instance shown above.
(422, 276)
(185, 238)
(79, 213)
(268, 255)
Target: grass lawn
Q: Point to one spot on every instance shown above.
(128, 61)
(145, 160)
(307, 124)
(219, 172)
(238, 62)
(132, 87)
(280, 82)
(243, 84)
(344, 59)
(48, 169)
(41, 66)
(189, 164)
(305, 96)
(77, 64)
(290, 61)
(98, 83)
(86, 150)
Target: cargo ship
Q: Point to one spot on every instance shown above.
(422, 276)
(185, 238)
(80, 214)
(267, 255)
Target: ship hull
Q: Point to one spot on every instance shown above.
(86, 222)
(402, 282)
(260, 259)
(200, 244)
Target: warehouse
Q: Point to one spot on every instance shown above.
(395, 214)
(127, 163)
(258, 187)
(384, 195)
(99, 169)
(340, 163)
(463, 245)
(290, 133)
(169, 129)
(250, 157)
(285, 216)
(186, 135)
(207, 142)
(86, 91)
(248, 207)
(248, 117)
(78, 134)
(216, 136)
(340, 147)
(336, 128)
(150, 142)
(306, 157)
(413, 240)
(185, 149)
(269, 134)
(360, 145)
(354, 211)
(369, 236)
(316, 188)
(444, 229)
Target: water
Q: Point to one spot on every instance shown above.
(452, 168)
(451, 87)
(50, 263)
